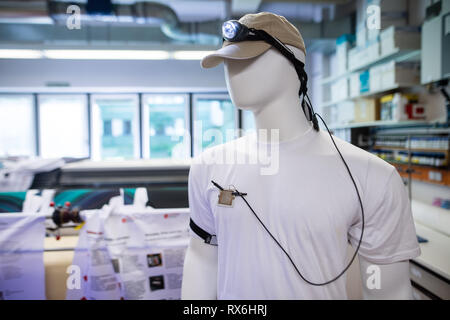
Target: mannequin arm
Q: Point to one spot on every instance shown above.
(394, 283)
(200, 271)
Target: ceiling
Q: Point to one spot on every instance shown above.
(149, 23)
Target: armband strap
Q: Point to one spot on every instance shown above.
(209, 238)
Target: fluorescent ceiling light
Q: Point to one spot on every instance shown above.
(20, 54)
(108, 54)
(190, 55)
(86, 54)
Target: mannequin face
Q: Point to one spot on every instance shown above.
(253, 83)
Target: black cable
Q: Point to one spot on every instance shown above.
(278, 243)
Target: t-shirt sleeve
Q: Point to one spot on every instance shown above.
(199, 208)
(389, 232)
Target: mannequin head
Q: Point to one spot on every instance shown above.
(257, 82)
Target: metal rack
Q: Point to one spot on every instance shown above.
(409, 169)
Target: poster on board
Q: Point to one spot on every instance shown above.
(130, 253)
(22, 273)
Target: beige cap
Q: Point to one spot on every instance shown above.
(275, 25)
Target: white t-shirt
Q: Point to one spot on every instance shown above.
(311, 207)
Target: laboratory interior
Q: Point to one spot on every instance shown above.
(224, 149)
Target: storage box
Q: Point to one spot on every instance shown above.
(375, 78)
(345, 112)
(385, 23)
(373, 51)
(354, 85)
(389, 5)
(364, 81)
(397, 74)
(399, 38)
(361, 35)
(343, 45)
(400, 107)
(339, 90)
(353, 56)
(357, 57)
(333, 64)
(367, 110)
(392, 13)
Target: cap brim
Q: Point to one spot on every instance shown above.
(238, 50)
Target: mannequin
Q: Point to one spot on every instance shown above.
(275, 105)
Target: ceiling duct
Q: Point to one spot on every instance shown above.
(144, 13)
(165, 16)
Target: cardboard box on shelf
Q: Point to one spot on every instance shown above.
(353, 58)
(398, 74)
(364, 81)
(391, 13)
(333, 64)
(375, 78)
(399, 38)
(401, 107)
(343, 45)
(342, 113)
(339, 90)
(346, 112)
(367, 110)
(389, 5)
(358, 57)
(361, 35)
(354, 85)
(373, 51)
(397, 19)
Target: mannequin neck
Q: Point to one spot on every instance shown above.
(285, 114)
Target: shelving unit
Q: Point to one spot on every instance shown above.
(430, 173)
(397, 55)
(371, 94)
(379, 124)
(427, 174)
(445, 151)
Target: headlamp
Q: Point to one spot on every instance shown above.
(233, 31)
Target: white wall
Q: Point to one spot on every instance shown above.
(109, 73)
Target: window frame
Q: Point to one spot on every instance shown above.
(145, 132)
(219, 96)
(94, 146)
(38, 114)
(139, 96)
(34, 115)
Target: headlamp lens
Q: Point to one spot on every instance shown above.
(229, 30)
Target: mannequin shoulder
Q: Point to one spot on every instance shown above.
(361, 159)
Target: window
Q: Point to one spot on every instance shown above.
(118, 127)
(214, 121)
(107, 128)
(248, 121)
(63, 126)
(115, 127)
(17, 125)
(165, 126)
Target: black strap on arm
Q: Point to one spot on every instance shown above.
(209, 238)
